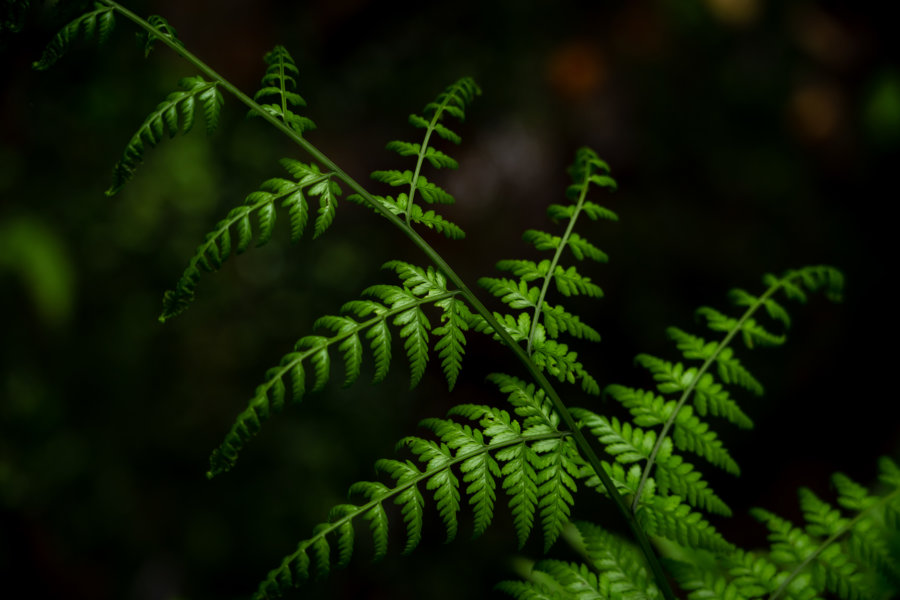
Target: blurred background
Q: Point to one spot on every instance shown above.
(747, 136)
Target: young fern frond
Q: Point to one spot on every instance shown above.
(539, 323)
(382, 307)
(175, 113)
(526, 453)
(309, 182)
(452, 101)
(97, 23)
(278, 95)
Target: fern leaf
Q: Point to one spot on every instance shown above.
(261, 205)
(570, 283)
(519, 482)
(97, 23)
(563, 364)
(556, 477)
(278, 94)
(411, 500)
(451, 345)
(178, 107)
(480, 472)
(415, 333)
(538, 465)
(350, 347)
(453, 101)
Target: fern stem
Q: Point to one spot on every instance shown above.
(421, 159)
(591, 451)
(831, 539)
(651, 460)
(556, 256)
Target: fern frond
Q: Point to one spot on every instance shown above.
(537, 463)
(175, 113)
(278, 96)
(537, 322)
(96, 24)
(698, 385)
(261, 206)
(453, 101)
(372, 317)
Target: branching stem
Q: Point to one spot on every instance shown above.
(591, 453)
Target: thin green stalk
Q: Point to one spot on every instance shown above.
(421, 158)
(556, 256)
(586, 447)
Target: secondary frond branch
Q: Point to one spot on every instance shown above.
(437, 476)
(269, 396)
(584, 171)
(811, 277)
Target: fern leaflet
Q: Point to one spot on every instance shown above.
(536, 462)
(176, 112)
(260, 206)
(381, 307)
(278, 96)
(452, 101)
(538, 323)
(97, 23)
(675, 380)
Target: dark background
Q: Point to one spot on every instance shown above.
(746, 136)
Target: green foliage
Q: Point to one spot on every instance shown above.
(531, 300)
(96, 24)
(175, 113)
(453, 101)
(261, 206)
(278, 97)
(524, 453)
(529, 457)
(380, 308)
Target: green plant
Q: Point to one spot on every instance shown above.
(536, 449)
